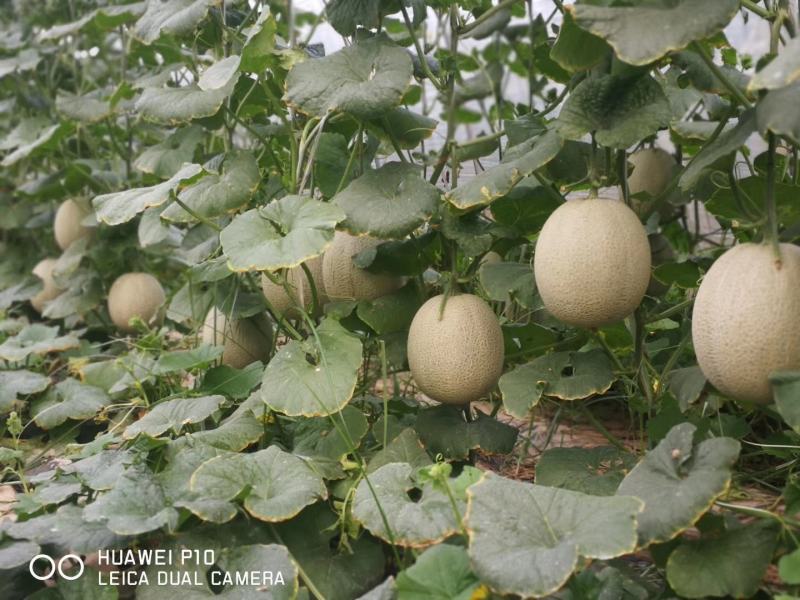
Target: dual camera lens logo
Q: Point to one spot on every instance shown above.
(56, 566)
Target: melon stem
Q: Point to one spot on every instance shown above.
(771, 233)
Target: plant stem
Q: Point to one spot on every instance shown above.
(486, 16)
(755, 8)
(420, 53)
(771, 233)
(729, 85)
(601, 428)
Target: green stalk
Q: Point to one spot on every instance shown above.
(486, 16)
(729, 85)
(771, 234)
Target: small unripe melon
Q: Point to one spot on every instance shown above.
(244, 340)
(592, 262)
(67, 225)
(44, 271)
(135, 295)
(746, 320)
(343, 280)
(296, 278)
(653, 169)
(455, 356)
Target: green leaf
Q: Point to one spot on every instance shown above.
(727, 143)
(575, 49)
(685, 275)
(366, 80)
(69, 399)
(440, 573)
(330, 163)
(405, 447)
(643, 34)
(416, 522)
(508, 281)
(104, 18)
(120, 207)
(408, 128)
(220, 74)
(730, 564)
(185, 360)
(274, 484)
(338, 573)
(384, 591)
(443, 429)
(619, 110)
(280, 235)
(176, 17)
(173, 105)
(259, 43)
(88, 108)
(594, 471)
(389, 202)
(46, 138)
(781, 72)
(497, 181)
(789, 568)
(320, 437)
(563, 375)
(691, 475)
(314, 379)
(233, 383)
(27, 60)
(774, 112)
(136, 504)
(15, 383)
(346, 15)
(218, 194)
(67, 530)
(166, 158)
(391, 313)
(16, 553)
(173, 415)
(100, 471)
(786, 391)
(686, 385)
(559, 527)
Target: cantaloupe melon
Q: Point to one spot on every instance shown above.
(653, 169)
(459, 357)
(278, 298)
(343, 280)
(44, 271)
(67, 224)
(135, 295)
(244, 340)
(746, 320)
(592, 262)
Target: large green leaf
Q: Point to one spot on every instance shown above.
(405, 447)
(67, 530)
(120, 207)
(425, 519)
(497, 181)
(620, 110)
(26, 60)
(280, 235)
(274, 484)
(166, 158)
(136, 504)
(575, 49)
(346, 15)
(333, 439)
(508, 282)
(314, 378)
(69, 399)
(389, 202)
(563, 375)
(782, 71)
(595, 471)
(558, 528)
(104, 17)
(443, 429)
(87, 108)
(786, 390)
(776, 112)
(36, 339)
(14, 383)
(177, 17)
(366, 80)
(15, 553)
(678, 481)
(440, 573)
(218, 193)
(173, 415)
(174, 105)
(100, 471)
(45, 138)
(731, 564)
(642, 34)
